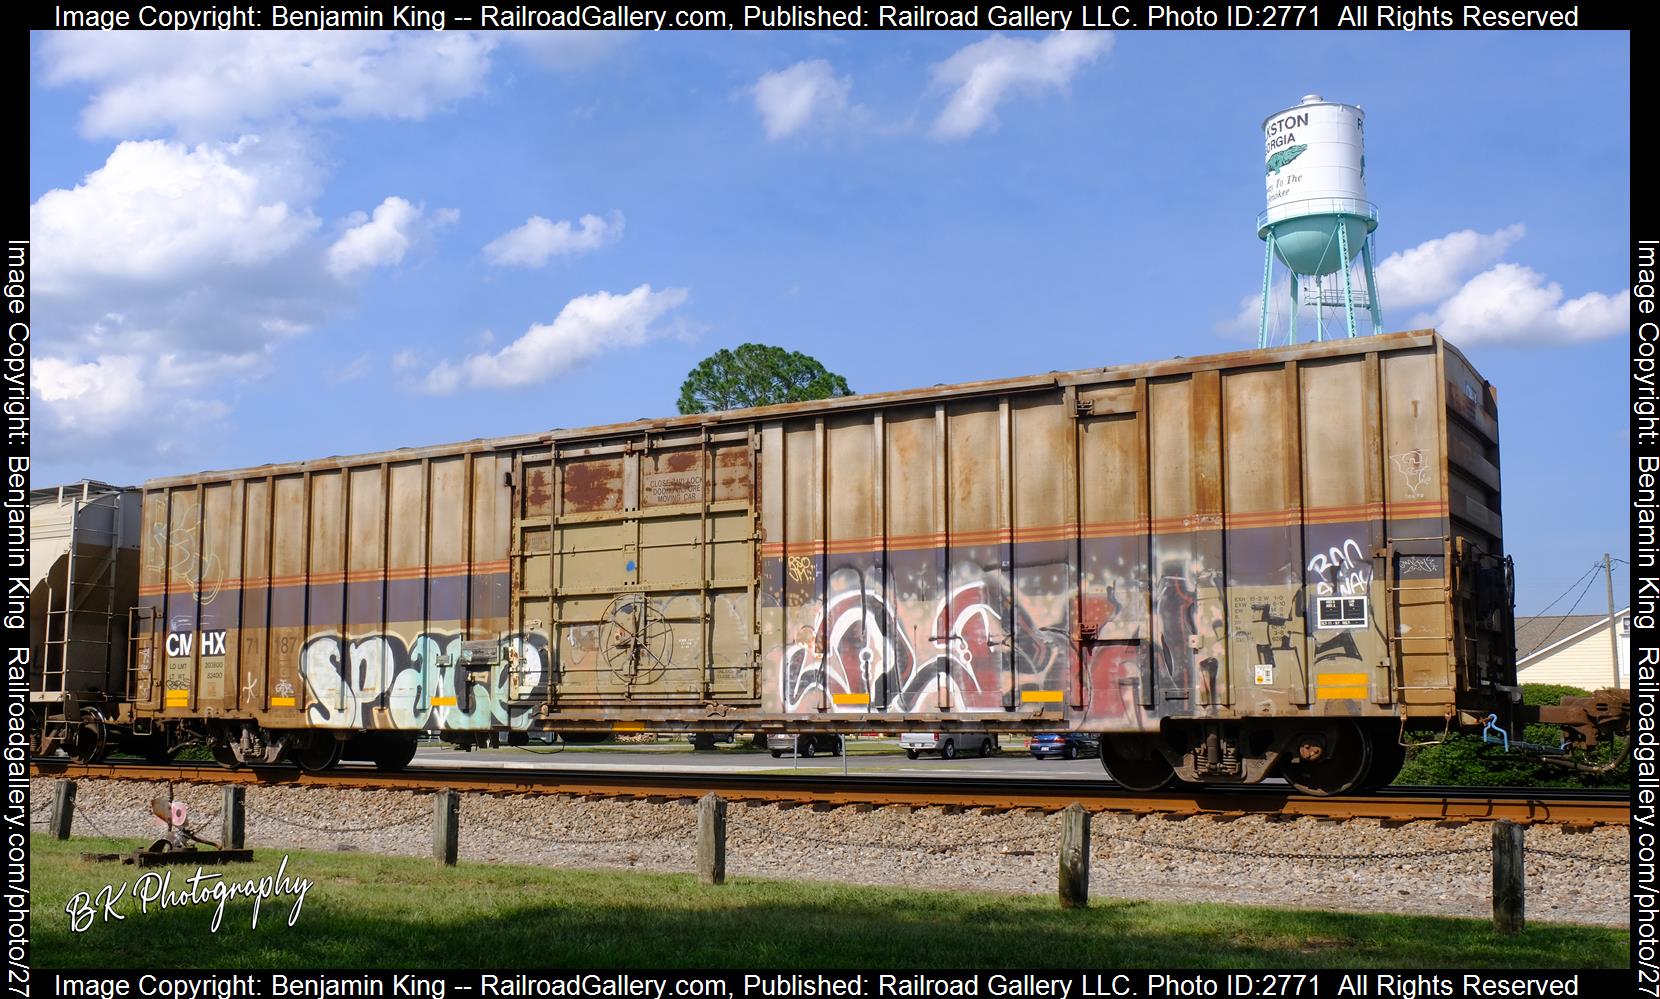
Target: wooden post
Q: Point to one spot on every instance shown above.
(1074, 865)
(1509, 879)
(63, 808)
(233, 818)
(711, 839)
(446, 826)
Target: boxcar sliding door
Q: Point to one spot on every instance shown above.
(634, 559)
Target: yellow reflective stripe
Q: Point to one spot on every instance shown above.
(282, 702)
(1342, 679)
(1050, 696)
(443, 702)
(628, 726)
(850, 698)
(1341, 694)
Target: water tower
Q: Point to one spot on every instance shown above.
(1318, 215)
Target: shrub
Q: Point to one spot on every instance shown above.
(1466, 761)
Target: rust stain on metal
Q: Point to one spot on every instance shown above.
(538, 494)
(593, 485)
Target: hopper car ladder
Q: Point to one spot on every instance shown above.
(59, 651)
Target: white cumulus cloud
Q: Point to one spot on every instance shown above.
(538, 240)
(163, 276)
(376, 240)
(202, 84)
(97, 411)
(1435, 268)
(1461, 288)
(982, 75)
(790, 99)
(158, 210)
(585, 327)
(1514, 303)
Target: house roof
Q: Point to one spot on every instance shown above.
(1535, 635)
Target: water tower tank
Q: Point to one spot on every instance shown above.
(1318, 221)
(1315, 159)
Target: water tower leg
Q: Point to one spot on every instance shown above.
(1348, 279)
(1372, 285)
(1267, 279)
(1295, 308)
(1319, 308)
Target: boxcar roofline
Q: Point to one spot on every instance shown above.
(1154, 369)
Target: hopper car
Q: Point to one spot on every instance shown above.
(1268, 562)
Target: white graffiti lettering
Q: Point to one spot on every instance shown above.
(382, 682)
(1342, 570)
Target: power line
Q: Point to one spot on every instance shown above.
(1564, 617)
(1594, 567)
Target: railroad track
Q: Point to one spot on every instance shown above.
(1403, 804)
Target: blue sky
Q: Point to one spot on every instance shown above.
(257, 247)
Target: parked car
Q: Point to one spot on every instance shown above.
(948, 744)
(1066, 745)
(805, 746)
(707, 740)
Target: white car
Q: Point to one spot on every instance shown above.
(948, 744)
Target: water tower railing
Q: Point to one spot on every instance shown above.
(1318, 206)
(1331, 296)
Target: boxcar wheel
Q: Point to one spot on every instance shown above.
(225, 756)
(1331, 761)
(1135, 764)
(317, 754)
(912, 754)
(88, 741)
(394, 754)
(1388, 757)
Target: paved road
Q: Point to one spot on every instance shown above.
(1011, 762)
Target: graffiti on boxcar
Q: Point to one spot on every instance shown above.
(979, 647)
(1272, 618)
(175, 554)
(974, 649)
(1415, 470)
(383, 682)
(1342, 570)
(1341, 645)
(1192, 632)
(801, 568)
(1420, 565)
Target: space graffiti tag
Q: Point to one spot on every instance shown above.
(383, 681)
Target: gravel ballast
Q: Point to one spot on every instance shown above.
(1578, 877)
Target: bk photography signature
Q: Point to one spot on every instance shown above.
(156, 890)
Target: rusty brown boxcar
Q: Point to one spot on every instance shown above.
(1257, 562)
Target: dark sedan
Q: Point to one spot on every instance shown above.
(1066, 745)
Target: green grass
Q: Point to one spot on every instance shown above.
(367, 911)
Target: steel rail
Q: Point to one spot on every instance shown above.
(1452, 805)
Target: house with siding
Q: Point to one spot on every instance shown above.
(1572, 649)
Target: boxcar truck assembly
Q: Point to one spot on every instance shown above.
(1271, 562)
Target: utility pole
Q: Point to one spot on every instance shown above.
(1613, 625)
